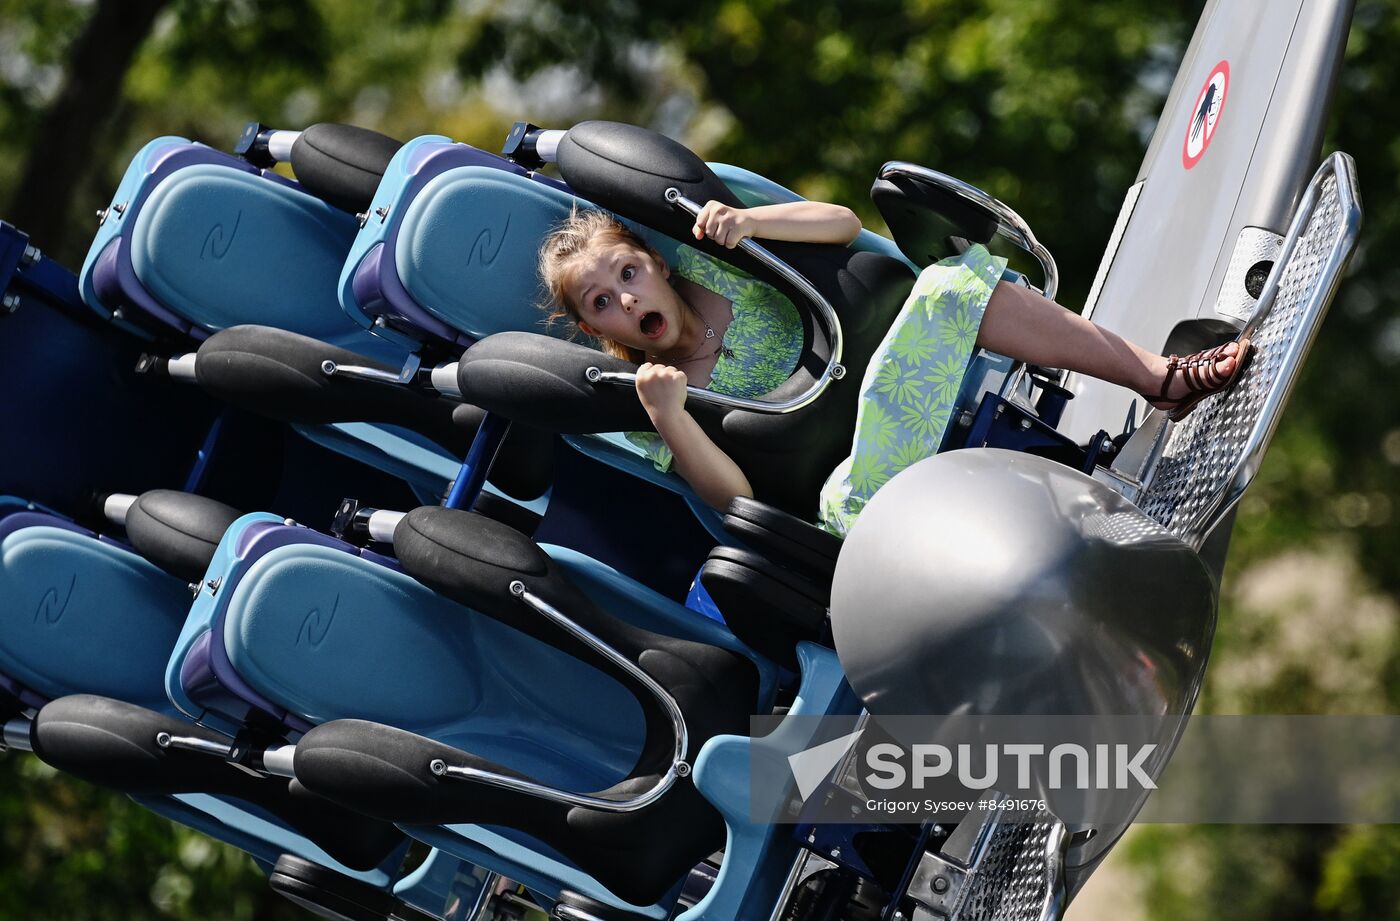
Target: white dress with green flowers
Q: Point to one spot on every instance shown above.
(912, 381)
(910, 385)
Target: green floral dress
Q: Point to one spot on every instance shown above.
(761, 346)
(912, 381)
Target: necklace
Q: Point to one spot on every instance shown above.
(709, 334)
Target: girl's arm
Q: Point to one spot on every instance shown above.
(710, 472)
(798, 221)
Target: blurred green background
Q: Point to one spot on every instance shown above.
(1047, 104)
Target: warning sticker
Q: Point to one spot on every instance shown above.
(1205, 116)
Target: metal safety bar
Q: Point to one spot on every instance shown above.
(406, 374)
(1010, 225)
(679, 767)
(1187, 475)
(834, 370)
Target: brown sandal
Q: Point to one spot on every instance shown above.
(1202, 380)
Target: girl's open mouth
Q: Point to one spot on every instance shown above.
(653, 324)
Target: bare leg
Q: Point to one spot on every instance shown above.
(1025, 326)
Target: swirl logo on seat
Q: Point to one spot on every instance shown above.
(482, 244)
(50, 609)
(216, 245)
(316, 625)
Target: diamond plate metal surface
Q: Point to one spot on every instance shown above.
(1210, 457)
(1019, 877)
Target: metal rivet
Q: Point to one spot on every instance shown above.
(940, 884)
(682, 769)
(838, 372)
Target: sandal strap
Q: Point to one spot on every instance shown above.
(1197, 370)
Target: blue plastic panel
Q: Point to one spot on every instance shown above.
(82, 615)
(200, 616)
(467, 248)
(132, 185)
(328, 635)
(223, 247)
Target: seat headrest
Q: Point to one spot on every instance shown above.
(342, 164)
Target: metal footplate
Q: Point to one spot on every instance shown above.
(996, 866)
(1186, 475)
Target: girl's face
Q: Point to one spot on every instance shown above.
(623, 294)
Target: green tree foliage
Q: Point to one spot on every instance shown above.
(1047, 104)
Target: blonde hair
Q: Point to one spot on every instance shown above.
(578, 235)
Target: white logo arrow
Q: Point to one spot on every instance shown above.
(811, 766)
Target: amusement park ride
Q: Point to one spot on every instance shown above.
(477, 654)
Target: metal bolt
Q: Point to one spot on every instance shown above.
(1025, 425)
(118, 314)
(194, 589)
(213, 585)
(32, 254)
(101, 216)
(812, 836)
(940, 884)
(682, 769)
(383, 213)
(838, 372)
(836, 853)
(120, 209)
(362, 218)
(10, 303)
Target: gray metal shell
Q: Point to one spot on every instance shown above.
(1175, 256)
(990, 582)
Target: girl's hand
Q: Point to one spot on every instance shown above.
(723, 224)
(661, 389)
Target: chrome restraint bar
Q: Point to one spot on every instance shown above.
(679, 767)
(834, 369)
(191, 744)
(1010, 225)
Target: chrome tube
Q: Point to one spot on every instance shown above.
(405, 376)
(834, 370)
(181, 367)
(15, 734)
(116, 506)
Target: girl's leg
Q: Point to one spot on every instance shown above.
(1025, 326)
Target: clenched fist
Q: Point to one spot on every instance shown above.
(661, 389)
